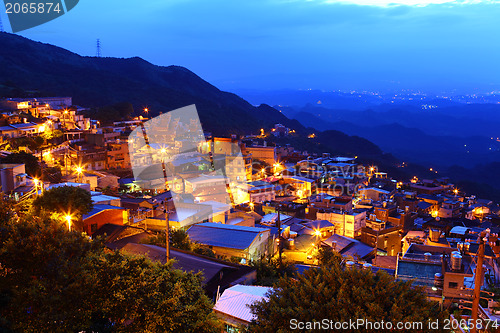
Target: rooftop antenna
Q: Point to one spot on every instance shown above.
(98, 53)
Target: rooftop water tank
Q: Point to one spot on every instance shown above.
(456, 262)
(438, 280)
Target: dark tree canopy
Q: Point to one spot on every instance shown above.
(64, 200)
(53, 280)
(179, 239)
(270, 271)
(339, 295)
(52, 174)
(30, 161)
(108, 114)
(327, 257)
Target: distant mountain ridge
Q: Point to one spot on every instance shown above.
(26, 65)
(414, 145)
(96, 82)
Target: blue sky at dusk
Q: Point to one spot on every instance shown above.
(435, 45)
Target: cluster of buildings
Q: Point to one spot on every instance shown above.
(21, 117)
(282, 203)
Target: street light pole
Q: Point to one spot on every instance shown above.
(167, 229)
(35, 181)
(79, 172)
(279, 236)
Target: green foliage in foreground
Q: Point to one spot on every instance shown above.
(339, 295)
(179, 239)
(53, 280)
(270, 271)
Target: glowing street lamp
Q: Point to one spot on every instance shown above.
(79, 172)
(64, 117)
(276, 166)
(68, 220)
(317, 232)
(48, 125)
(252, 205)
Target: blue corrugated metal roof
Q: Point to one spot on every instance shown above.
(302, 268)
(357, 249)
(274, 230)
(302, 179)
(99, 208)
(421, 271)
(224, 235)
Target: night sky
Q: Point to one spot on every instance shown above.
(272, 44)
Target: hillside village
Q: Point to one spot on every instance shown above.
(289, 204)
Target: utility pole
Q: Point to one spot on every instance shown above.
(376, 244)
(478, 278)
(279, 235)
(166, 212)
(164, 202)
(167, 229)
(66, 160)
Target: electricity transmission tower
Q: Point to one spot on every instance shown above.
(98, 52)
